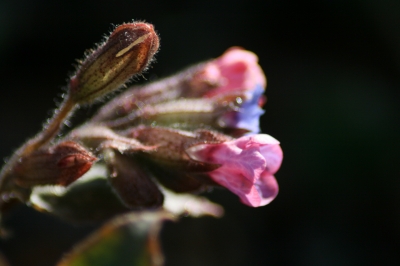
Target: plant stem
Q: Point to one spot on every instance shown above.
(51, 129)
(49, 132)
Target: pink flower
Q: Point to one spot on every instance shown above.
(248, 165)
(236, 72)
(236, 69)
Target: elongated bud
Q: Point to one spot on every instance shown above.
(59, 165)
(131, 183)
(171, 146)
(127, 52)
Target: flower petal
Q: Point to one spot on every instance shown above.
(267, 188)
(273, 155)
(247, 165)
(239, 70)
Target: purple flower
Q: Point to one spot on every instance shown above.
(247, 115)
(248, 165)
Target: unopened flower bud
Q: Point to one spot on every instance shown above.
(172, 144)
(127, 52)
(58, 165)
(131, 183)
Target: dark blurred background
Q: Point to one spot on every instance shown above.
(333, 71)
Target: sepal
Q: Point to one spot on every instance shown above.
(60, 164)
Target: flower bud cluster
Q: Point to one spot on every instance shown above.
(44, 160)
(183, 134)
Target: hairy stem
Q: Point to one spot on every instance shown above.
(51, 129)
(49, 132)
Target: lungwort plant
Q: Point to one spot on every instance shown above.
(146, 155)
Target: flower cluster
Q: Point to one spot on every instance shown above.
(182, 134)
(190, 131)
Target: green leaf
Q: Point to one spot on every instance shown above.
(130, 239)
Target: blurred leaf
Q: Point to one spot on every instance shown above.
(91, 198)
(131, 239)
(88, 199)
(190, 205)
(3, 261)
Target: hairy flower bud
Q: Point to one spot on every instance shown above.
(171, 146)
(131, 183)
(58, 165)
(127, 52)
